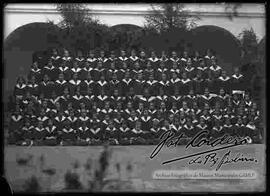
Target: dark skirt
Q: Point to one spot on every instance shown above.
(38, 135)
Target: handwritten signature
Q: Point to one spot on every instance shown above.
(226, 141)
(213, 159)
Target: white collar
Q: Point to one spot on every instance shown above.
(124, 130)
(102, 83)
(50, 68)
(35, 70)
(95, 131)
(110, 129)
(175, 60)
(103, 59)
(83, 129)
(16, 118)
(22, 86)
(78, 97)
(39, 130)
(50, 129)
(123, 59)
(145, 119)
(104, 97)
(224, 79)
(189, 69)
(215, 69)
(237, 77)
(55, 58)
(78, 59)
(75, 82)
(185, 80)
(66, 58)
(127, 81)
(134, 58)
(153, 60)
(91, 59)
(77, 69)
(253, 127)
(61, 82)
(63, 68)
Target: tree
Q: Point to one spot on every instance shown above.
(249, 44)
(79, 29)
(250, 62)
(74, 14)
(166, 17)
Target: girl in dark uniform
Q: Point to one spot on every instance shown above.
(137, 134)
(164, 58)
(55, 58)
(51, 137)
(155, 132)
(153, 60)
(174, 58)
(79, 59)
(66, 59)
(74, 83)
(126, 84)
(27, 133)
(237, 81)
(228, 127)
(20, 87)
(143, 60)
(35, 71)
(189, 129)
(133, 59)
(111, 133)
(64, 69)
(217, 129)
(97, 135)
(50, 70)
(125, 133)
(33, 87)
(84, 134)
(39, 133)
(91, 59)
(185, 84)
(46, 86)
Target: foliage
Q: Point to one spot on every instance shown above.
(100, 173)
(73, 14)
(72, 181)
(249, 44)
(32, 185)
(169, 16)
(79, 30)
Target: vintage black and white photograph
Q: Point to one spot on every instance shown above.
(138, 97)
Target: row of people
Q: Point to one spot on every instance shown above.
(52, 70)
(45, 109)
(88, 99)
(132, 115)
(100, 67)
(118, 130)
(168, 85)
(142, 58)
